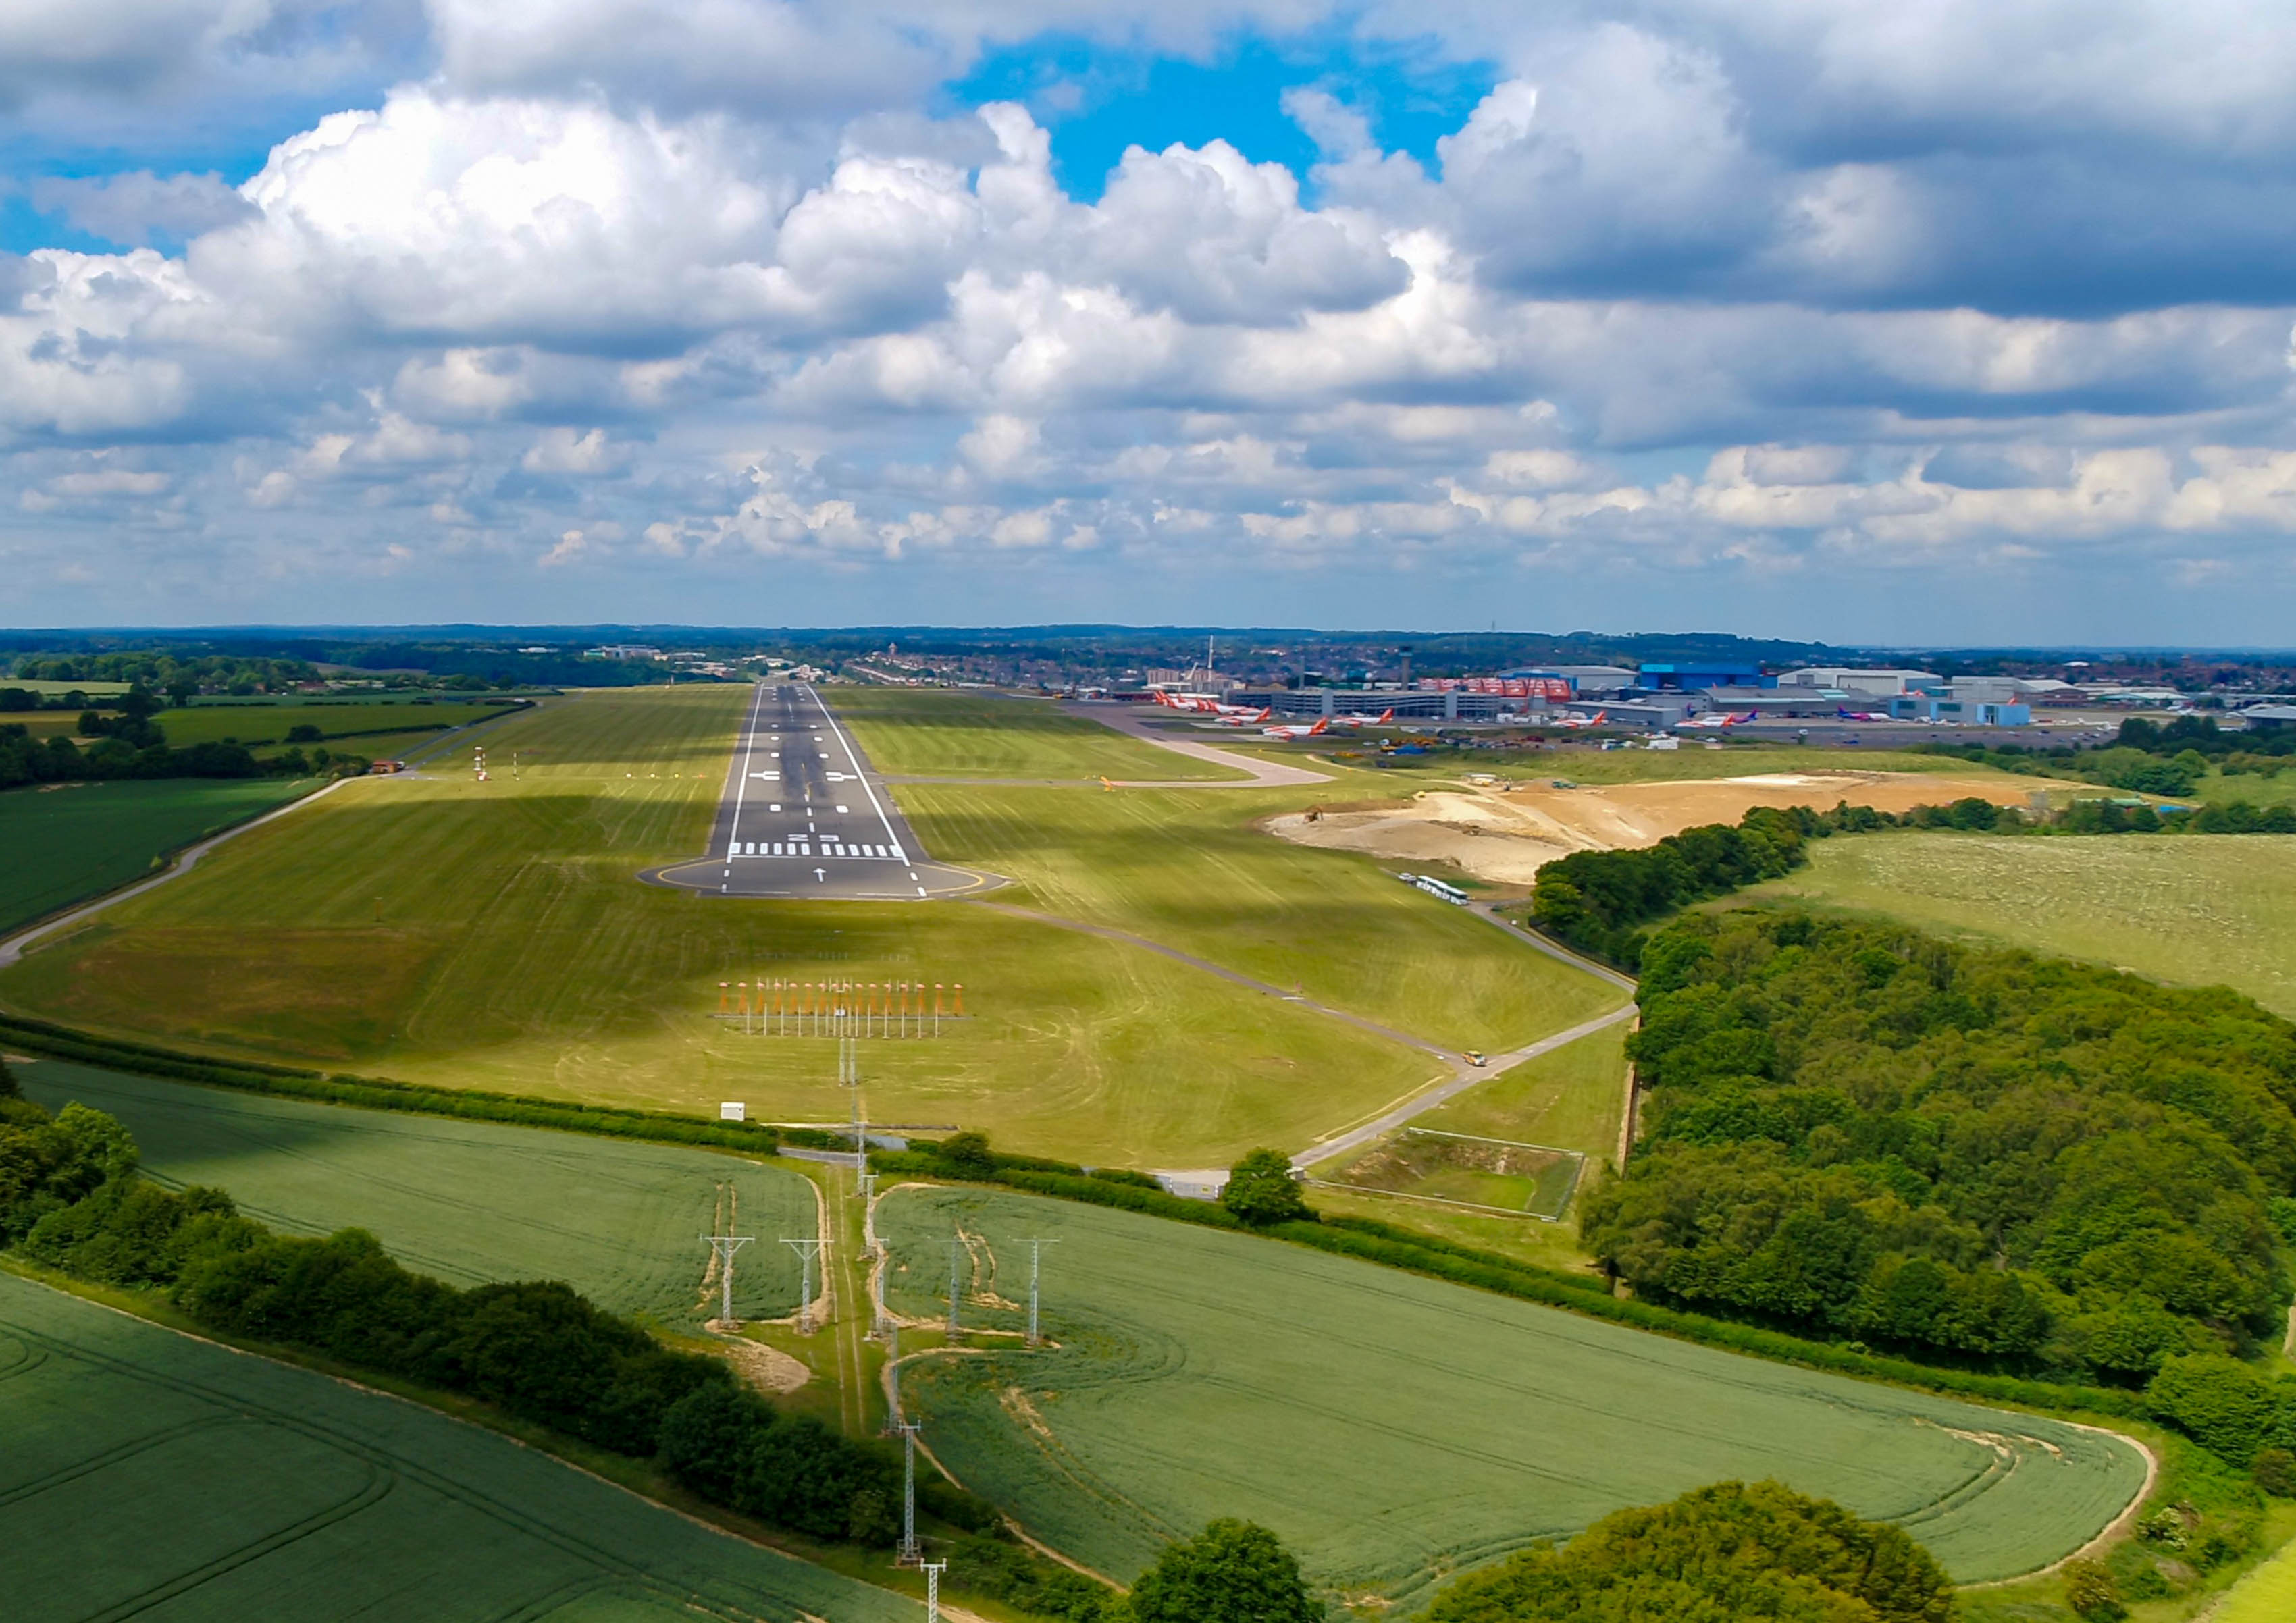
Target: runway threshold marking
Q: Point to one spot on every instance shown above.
(854, 761)
(748, 749)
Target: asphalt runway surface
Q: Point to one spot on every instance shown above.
(804, 815)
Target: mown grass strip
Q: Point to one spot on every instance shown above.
(370, 1092)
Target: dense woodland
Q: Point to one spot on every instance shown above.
(1863, 1133)
(1728, 1553)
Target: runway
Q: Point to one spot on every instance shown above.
(803, 815)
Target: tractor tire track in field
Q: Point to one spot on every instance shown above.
(392, 1468)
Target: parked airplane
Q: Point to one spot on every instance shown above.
(1716, 718)
(1842, 715)
(1201, 704)
(1287, 734)
(1574, 720)
(1245, 719)
(1379, 720)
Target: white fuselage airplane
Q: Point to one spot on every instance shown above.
(1202, 705)
(1716, 718)
(1379, 720)
(1287, 734)
(1245, 717)
(1574, 720)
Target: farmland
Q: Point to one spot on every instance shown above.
(469, 1202)
(440, 931)
(148, 1470)
(2195, 910)
(933, 733)
(1392, 1429)
(63, 844)
(261, 725)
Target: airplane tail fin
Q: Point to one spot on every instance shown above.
(1386, 716)
(1320, 728)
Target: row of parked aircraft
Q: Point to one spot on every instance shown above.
(1249, 716)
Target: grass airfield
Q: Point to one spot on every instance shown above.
(440, 931)
(158, 1475)
(932, 732)
(1393, 1428)
(466, 1202)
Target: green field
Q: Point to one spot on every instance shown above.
(933, 733)
(259, 725)
(469, 1202)
(147, 1473)
(1393, 1428)
(1569, 1098)
(1186, 868)
(65, 843)
(441, 931)
(2192, 910)
(2266, 1595)
(56, 690)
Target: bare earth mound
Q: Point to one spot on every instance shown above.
(1506, 835)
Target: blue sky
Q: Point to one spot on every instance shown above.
(1868, 323)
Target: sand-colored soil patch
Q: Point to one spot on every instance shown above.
(1505, 835)
(768, 1368)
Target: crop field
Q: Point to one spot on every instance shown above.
(1393, 1428)
(444, 931)
(256, 725)
(152, 1474)
(64, 844)
(934, 732)
(2192, 910)
(469, 1202)
(1186, 868)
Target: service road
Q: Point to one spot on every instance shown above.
(803, 815)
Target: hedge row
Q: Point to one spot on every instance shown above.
(611, 1122)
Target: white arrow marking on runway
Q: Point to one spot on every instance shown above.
(835, 777)
(818, 874)
(767, 776)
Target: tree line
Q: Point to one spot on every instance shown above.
(1977, 1156)
(1599, 902)
(72, 1198)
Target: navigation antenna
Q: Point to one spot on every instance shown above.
(909, 1553)
(806, 1250)
(725, 1246)
(1036, 1258)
